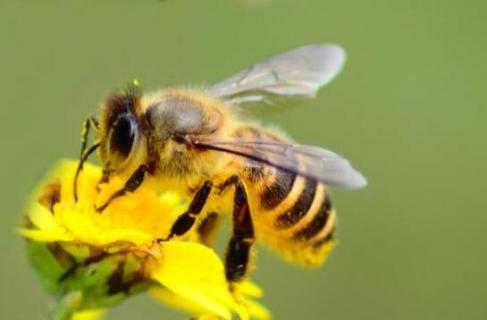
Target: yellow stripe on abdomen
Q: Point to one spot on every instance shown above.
(318, 223)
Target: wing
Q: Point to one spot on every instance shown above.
(309, 161)
(298, 73)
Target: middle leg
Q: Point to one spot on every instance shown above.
(188, 218)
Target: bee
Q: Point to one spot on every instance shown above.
(196, 141)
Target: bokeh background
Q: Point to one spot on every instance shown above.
(409, 109)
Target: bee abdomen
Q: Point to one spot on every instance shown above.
(330, 236)
(318, 223)
(300, 208)
(277, 192)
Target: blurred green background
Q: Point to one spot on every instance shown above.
(409, 109)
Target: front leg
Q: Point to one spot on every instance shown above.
(238, 251)
(89, 122)
(187, 219)
(131, 185)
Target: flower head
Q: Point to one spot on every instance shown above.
(92, 260)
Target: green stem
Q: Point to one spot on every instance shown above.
(66, 306)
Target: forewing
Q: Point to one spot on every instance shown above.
(309, 161)
(296, 73)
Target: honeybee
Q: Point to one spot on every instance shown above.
(196, 142)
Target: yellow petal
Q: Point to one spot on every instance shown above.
(43, 219)
(250, 289)
(97, 314)
(85, 229)
(43, 235)
(257, 311)
(47, 228)
(195, 273)
(248, 307)
(178, 302)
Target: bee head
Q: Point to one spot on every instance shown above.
(120, 131)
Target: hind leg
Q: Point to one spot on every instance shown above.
(239, 247)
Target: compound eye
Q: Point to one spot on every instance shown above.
(123, 135)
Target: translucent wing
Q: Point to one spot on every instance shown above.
(309, 161)
(298, 73)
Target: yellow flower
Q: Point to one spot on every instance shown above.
(93, 260)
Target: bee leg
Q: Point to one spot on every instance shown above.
(105, 178)
(84, 154)
(238, 250)
(131, 185)
(187, 219)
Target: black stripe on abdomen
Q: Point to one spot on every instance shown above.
(300, 208)
(321, 242)
(274, 194)
(318, 222)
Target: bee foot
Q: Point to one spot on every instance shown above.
(100, 209)
(161, 240)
